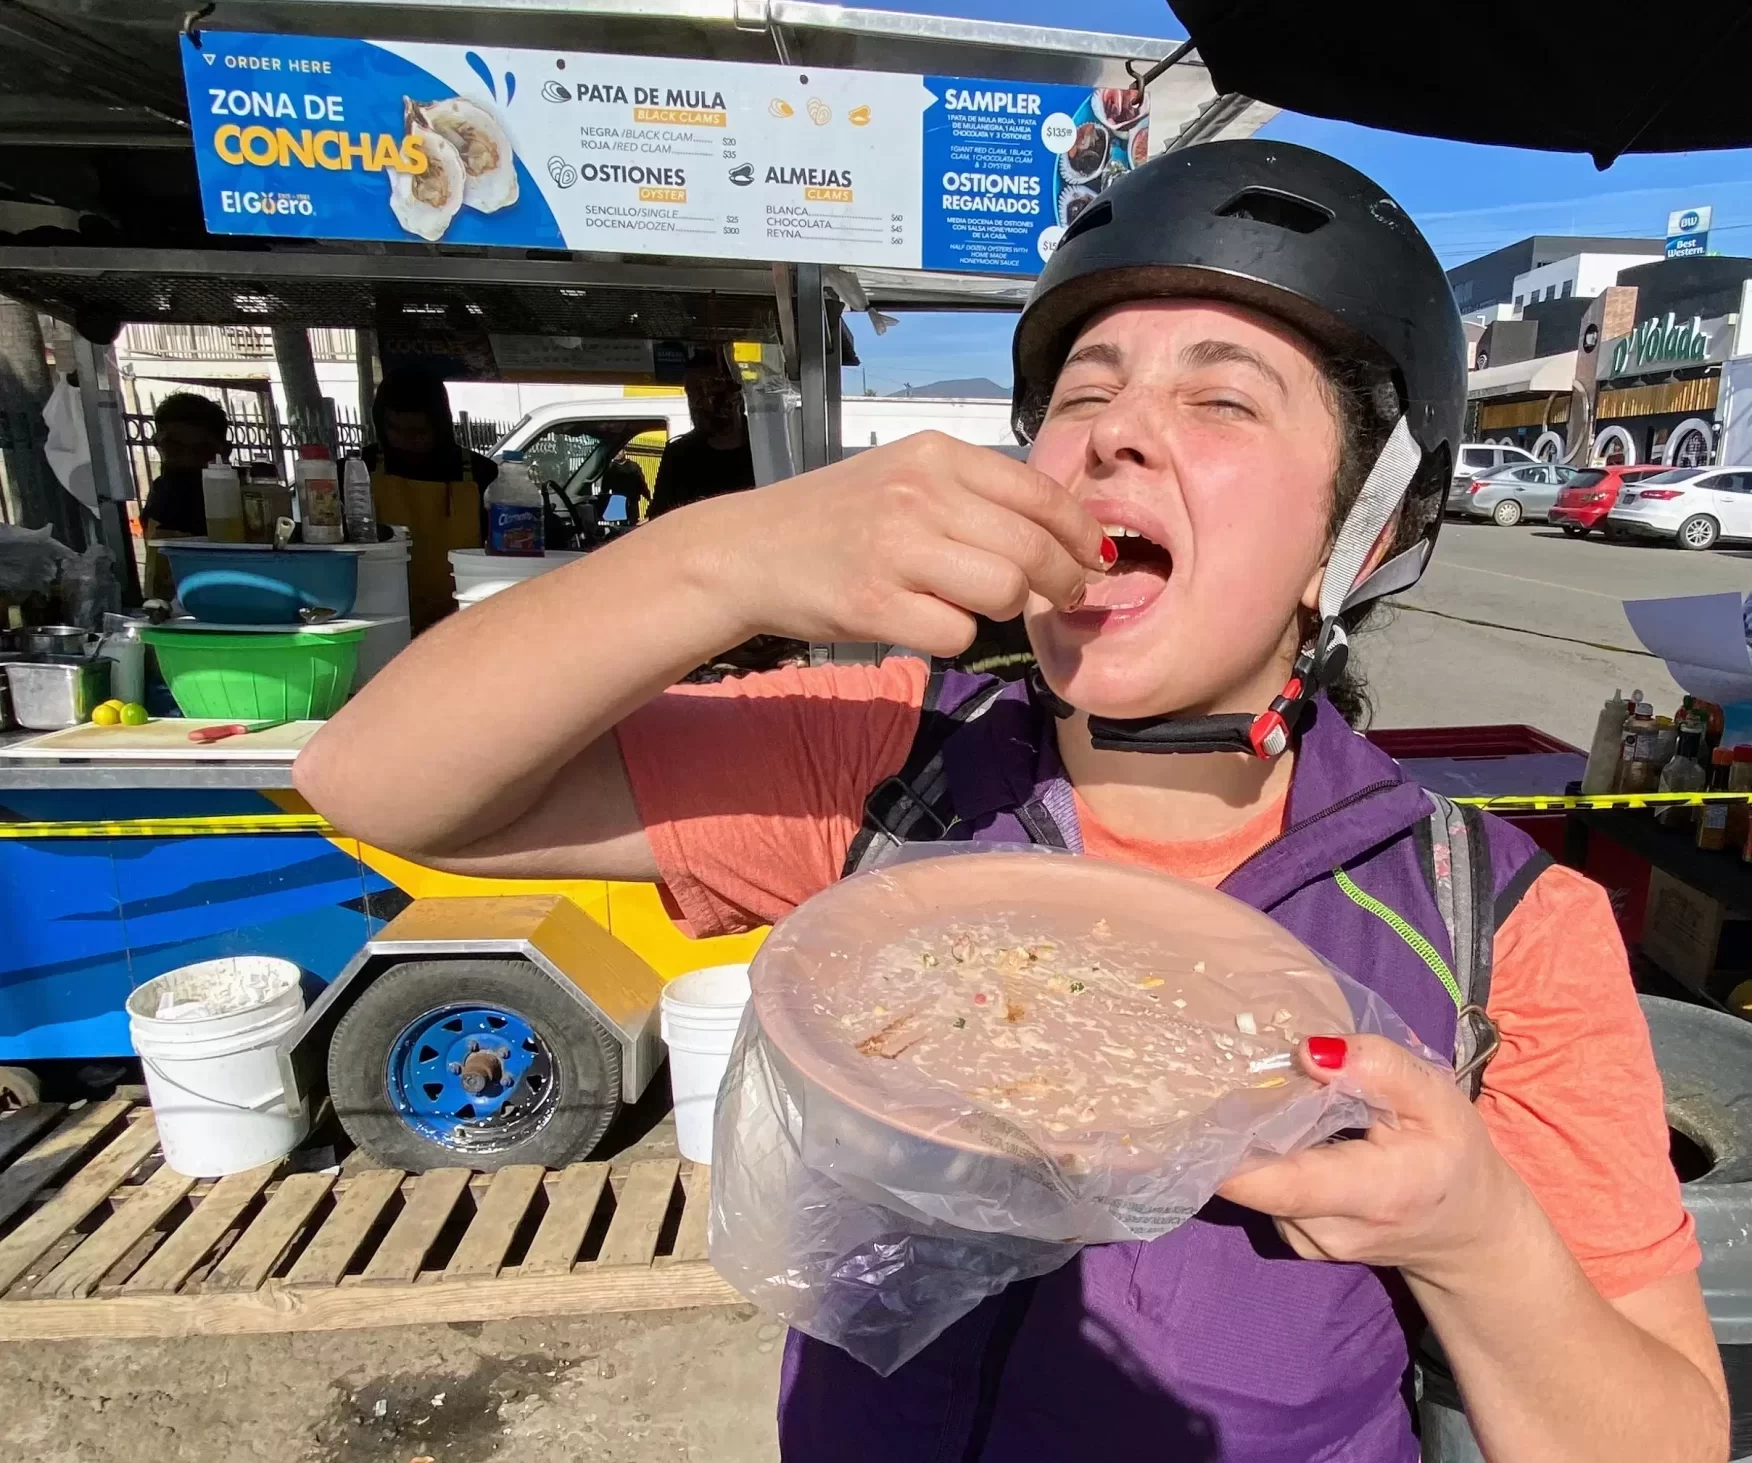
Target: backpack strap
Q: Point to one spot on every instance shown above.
(1458, 862)
(914, 806)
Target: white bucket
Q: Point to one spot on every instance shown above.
(207, 1036)
(700, 1014)
(478, 574)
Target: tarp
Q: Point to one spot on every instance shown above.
(1604, 78)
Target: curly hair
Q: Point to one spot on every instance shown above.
(1366, 401)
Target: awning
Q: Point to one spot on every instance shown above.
(1580, 78)
(1543, 373)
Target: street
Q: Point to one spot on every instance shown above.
(1510, 625)
(1525, 625)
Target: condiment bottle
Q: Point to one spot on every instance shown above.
(1712, 818)
(1739, 780)
(1666, 741)
(222, 497)
(1683, 773)
(1603, 751)
(1637, 769)
(319, 496)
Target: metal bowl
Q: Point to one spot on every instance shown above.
(53, 640)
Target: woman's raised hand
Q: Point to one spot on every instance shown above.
(903, 544)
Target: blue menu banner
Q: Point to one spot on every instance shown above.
(315, 137)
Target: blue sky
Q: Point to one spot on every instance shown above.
(1468, 199)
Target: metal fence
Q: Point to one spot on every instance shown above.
(260, 434)
(227, 342)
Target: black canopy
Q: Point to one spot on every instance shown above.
(1605, 77)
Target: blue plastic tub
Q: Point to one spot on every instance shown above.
(224, 586)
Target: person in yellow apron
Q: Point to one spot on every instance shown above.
(425, 481)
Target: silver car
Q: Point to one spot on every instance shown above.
(1511, 494)
(1475, 460)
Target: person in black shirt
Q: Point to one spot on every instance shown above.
(714, 457)
(189, 431)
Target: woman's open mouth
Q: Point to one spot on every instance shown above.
(1135, 581)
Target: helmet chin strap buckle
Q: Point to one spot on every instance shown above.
(1264, 736)
(1321, 662)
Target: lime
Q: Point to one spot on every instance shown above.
(134, 714)
(109, 714)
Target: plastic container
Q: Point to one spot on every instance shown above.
(1739, 780)
(1712, 818)
(123, 648)
(266, 500)
(700, 1014)
(252, 586)
(319, 496)
(383, 579)
(478, 574)
(295, 676)
(958, 1068)
(1603, 750)
(357, 507)
(222, 497)
(514, 511)
(207, 1036)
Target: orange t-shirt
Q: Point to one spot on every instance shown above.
(752, 790)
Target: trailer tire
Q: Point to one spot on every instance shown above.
(1705, 1061)
(394, 1078)
(19, 1087)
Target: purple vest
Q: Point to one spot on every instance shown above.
(1214, 1343)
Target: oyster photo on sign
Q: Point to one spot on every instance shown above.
(424, 203)
(481, 142)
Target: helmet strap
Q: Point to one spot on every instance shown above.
(1354, 575)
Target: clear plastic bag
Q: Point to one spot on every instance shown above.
(957, 1070)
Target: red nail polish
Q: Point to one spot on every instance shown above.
(1109, 551)
(1326, 1051)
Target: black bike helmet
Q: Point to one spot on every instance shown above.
(1301, 237)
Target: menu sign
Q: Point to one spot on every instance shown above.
(322, 138)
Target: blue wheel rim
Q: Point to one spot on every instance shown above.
(472, 1076)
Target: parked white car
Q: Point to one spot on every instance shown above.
(1695, 507)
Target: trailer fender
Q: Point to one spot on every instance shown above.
(559, 942)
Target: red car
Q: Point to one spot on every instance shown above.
(1589, 499)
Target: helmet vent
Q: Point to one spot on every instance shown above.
(1092, 217)
(1280, 210)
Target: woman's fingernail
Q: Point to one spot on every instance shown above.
(1326, 1051)
(1077, 599)
(1109, 551)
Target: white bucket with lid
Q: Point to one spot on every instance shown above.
(700, 1014)
(207, 1036)
(478, 574)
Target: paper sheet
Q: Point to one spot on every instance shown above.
(1702, 637)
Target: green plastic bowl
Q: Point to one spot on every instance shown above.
(297, 676)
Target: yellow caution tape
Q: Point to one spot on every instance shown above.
(206, 827)
(240, 823)
(1552, 803)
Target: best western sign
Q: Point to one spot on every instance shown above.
(1663, 343)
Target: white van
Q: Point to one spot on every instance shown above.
(568, 444)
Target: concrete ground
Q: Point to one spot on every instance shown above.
(1525, 625)
(1510, 625)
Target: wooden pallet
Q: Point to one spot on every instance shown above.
(98, 1237)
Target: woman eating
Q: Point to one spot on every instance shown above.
(1243, 378)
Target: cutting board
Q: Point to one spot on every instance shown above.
(167, 739)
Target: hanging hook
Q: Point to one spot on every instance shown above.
(1140, 81)
(191, 23)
